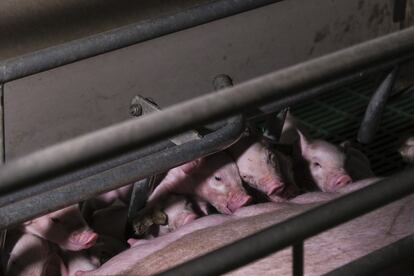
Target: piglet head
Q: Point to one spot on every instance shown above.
(220, 184)
(65, 227)
(179, 211)
(326, 164)
(406, 150)
(258, 165)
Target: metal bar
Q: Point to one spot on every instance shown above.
(275, 86)
(63, 195)
(2, 130)
(77, 175)
(373, 114)
(3, 233)
(300, 227)
(378, 260)
(297, 258)
(52, 57)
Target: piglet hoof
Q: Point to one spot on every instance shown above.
(159, 218)
(79, 273)
(141, 226)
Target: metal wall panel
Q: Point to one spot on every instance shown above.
(59, 104)
(31, 25)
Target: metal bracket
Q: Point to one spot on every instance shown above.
(141, 106)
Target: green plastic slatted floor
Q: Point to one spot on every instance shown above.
(336, 117)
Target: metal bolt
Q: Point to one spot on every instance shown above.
(135, 110)
(222, 81)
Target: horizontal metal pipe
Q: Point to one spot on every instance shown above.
(300, 227)
(121, 37)
(132, 134)
(378, 260)
(77, 175)
(56, 197)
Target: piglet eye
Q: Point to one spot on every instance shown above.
(217, 178)
(316, 164)
(55, 220)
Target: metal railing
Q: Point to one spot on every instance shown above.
(130, 135)
(63, 54)
(289, 83)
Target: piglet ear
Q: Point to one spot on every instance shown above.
(26, 223)
(345, 146)
(303, 142)
(191, 166)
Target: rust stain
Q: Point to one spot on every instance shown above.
(311, 50)
(378, 14)
(360, 4)
(321, 34)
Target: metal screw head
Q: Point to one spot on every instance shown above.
(135, 110)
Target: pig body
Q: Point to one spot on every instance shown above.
(145, 248)
(30, 255)
(214, 179)
(65, 227)
(79, 261)
(323, 252)
(315, 197)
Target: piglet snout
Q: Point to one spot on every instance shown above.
(83, 239)
(341, 182)
(275, 188)
(237, 201)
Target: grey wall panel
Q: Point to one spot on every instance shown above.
(31, 25)
(59, 104)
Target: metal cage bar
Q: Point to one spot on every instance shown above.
(59, 193)
(383, 258)
(2, 134)
(129, 135)
(297, 258)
